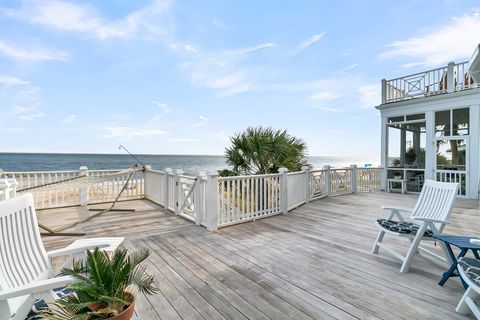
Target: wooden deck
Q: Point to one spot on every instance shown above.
(313, 263)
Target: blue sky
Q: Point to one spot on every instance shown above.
(180, 77)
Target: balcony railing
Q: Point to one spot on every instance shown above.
(451, 78)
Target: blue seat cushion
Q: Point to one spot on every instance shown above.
(402, 227)
(471, 267)
(40, 304)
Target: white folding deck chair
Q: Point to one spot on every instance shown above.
(429, 217)
(469, 270)
(25, 268)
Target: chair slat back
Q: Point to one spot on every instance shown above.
(23, 258)
(436, 201)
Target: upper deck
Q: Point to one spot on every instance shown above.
(454, 77)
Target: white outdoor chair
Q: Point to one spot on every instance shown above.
(469, 270)
(428, 218)
(25, 268)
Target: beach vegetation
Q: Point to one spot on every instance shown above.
(262, 150)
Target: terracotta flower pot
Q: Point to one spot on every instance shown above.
(127, 313)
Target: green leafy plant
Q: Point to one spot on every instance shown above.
(260, 150)
(104, 286)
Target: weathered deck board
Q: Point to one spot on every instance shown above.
(313, 263)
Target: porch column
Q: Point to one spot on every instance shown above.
(403, 145)
(474, 145)
(416, 145)
(431, 147)
(384, 153)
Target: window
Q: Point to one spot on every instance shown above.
(406, 145)
(454, 122)
(461, 121)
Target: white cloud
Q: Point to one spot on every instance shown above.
(183, 140)
(12, 81)
(130, 133)
(202, 120)
(220, 70)
(37, 54)
(27, 113)
(369, 95)
(226, 78)
(70, 119)
(69, 17)
(452, 40)
(325, 95)
(350, 67)
(164, 110)
(308, 42)
(31, 116)
(243, 51)
(327, 108)
(11, 130)
(222, 136)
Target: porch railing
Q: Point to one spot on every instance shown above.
(71, 194)
(205, 199)
(451, 78)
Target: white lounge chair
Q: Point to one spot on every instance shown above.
(25, 268)
(469, 270)
(428, 218)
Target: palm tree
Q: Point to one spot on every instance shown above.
(260, 150)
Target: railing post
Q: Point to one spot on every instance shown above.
(211, 201)
(197, 198)
(283, 189)
(384, 91)
(328, 180)
(83, 172)
(4, 186)
(13, 187)
(354, 178)
(166, 191)
(146, 186)
(176, 190)
(451, 77)
(306, 176)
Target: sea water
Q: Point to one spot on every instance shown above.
(188, 163)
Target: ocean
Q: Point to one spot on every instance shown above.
(191, 164)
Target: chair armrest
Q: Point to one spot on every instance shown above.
(396, 212)
(397, 209)
(36, 287)
(75, 250)
(429, 220)
(475, 241)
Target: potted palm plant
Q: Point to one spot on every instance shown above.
(104, 287)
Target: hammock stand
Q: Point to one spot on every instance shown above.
(50, 232)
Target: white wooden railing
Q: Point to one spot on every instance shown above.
(247, 198)
(8, 188)
(451, 78)
(459, 177)
(205, 199)
(298, 188)
(70, 194)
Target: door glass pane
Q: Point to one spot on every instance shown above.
(461, 119)
(394, 146)
(451, 155)
(415, 145)
(442, 123)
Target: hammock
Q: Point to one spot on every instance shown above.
(80, 181)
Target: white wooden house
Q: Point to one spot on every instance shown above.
(431, 127)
